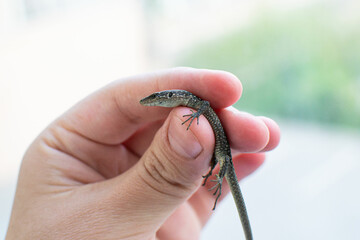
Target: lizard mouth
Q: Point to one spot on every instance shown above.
(149, 100)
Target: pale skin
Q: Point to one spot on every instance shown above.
(110, 168)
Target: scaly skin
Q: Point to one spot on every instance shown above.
(222, 152)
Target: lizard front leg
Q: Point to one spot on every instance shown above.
(200, 110)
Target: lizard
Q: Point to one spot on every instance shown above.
(222, 151)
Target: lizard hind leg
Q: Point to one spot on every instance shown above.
(219, 179)
(217, 188)
(212, 166)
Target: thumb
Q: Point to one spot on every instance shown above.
(168, 173)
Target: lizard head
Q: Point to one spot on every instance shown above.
(167, 98)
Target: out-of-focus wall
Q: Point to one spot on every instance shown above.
(51, 61)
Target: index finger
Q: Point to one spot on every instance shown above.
(113, 114)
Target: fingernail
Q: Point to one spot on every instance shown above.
(183, 141)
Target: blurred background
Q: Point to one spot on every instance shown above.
(298, 60)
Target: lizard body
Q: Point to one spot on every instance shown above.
(222, 152)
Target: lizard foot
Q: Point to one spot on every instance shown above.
(207, 176)
(191, 116)
(217, 188)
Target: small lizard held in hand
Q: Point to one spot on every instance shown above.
(222, 152)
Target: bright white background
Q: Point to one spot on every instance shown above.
(54, 53)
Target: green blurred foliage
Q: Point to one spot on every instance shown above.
(303, 65)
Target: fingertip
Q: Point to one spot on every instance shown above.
(246, 132)
(183, 142)
(202, 133)
(235, 83)
(227, 85)
(219, 87)
(247, 163)
(274, 133)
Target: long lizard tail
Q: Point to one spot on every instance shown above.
(239, 201)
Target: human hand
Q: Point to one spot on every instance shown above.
(110, 168)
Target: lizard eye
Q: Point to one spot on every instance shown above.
(170, 94)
